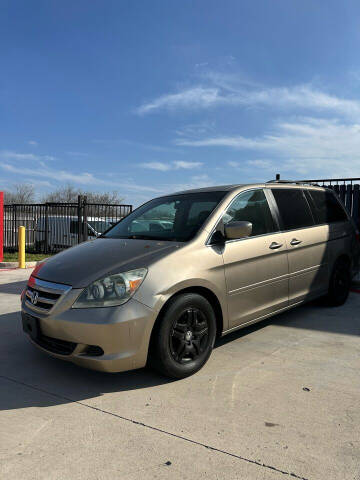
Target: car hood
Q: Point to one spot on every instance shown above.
(79, 266)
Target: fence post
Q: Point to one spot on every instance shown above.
(1, 226)
(348, 197)
(356, 202)
(79, 208)
(85, 226)
(14, 229)
(46, 246)
(21, 247)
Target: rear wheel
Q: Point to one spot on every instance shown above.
(185, 336)
(339, 285)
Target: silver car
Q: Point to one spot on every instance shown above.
(160, 286)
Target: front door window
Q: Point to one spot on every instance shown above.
(253, 207)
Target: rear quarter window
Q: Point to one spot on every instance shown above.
(326, 207)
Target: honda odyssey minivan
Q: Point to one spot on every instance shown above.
(159, 286)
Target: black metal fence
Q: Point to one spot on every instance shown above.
(348, 190)
(52, 227)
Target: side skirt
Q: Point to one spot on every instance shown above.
(258, 319)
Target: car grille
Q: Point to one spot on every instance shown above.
(41, 296)
(45, 300)
(55, 345)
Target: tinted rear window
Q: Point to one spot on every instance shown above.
(326, 207)
(293, 207)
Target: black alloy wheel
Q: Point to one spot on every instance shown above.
(183, 336)
(340, 283)
(189, 337)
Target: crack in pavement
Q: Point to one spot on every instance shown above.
(156, 429)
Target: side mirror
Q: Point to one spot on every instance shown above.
(236, 230)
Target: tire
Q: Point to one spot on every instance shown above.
(339, 285)
(184, 337)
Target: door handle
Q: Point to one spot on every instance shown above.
(275, 245)
(295, 241)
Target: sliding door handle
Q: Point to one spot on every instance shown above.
(275, 245)
(295, 241)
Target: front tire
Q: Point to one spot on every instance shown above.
(184, 337)
(339, 285)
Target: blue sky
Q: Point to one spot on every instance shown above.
(148, 97)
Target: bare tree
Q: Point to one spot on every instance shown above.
(20, 193)
(69, 194)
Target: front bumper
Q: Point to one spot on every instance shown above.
(123, 333)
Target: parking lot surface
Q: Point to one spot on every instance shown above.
(277, 400)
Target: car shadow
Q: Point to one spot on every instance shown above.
(315, 315)
(30, 378)
(14, 288)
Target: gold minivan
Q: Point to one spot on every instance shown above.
(160, 286)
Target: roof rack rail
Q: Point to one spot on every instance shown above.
(295, 182)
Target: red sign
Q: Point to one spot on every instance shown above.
(1, 226)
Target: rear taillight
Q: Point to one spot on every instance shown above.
(357, 235)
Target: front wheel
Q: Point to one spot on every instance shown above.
(185, 336)
(339, 285)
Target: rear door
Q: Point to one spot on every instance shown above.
(256, 267)
(329, 211)
(306, 244)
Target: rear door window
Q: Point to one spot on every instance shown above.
(293, 208)
(326, 207)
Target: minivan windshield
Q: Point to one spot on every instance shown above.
(172, 218)
(99, 226)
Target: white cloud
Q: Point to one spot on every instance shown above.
(33, 143)
(176, 165)
(186, 165)
(160, 166)
(304, 145)
(10, 155)
(264, 164)
(234, 164)
(38, 183)
(18, 156)
(230, 141)
(59, 175)
(192, 98)
(135, 144)
(77, 178)
(224, 91)
(196, 181)
(196, 129)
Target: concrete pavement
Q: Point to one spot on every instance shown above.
(276, 400)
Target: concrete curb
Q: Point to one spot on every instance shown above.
(15, 264)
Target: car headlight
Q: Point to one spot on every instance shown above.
(111, 290)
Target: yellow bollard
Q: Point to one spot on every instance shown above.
(21, 254)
